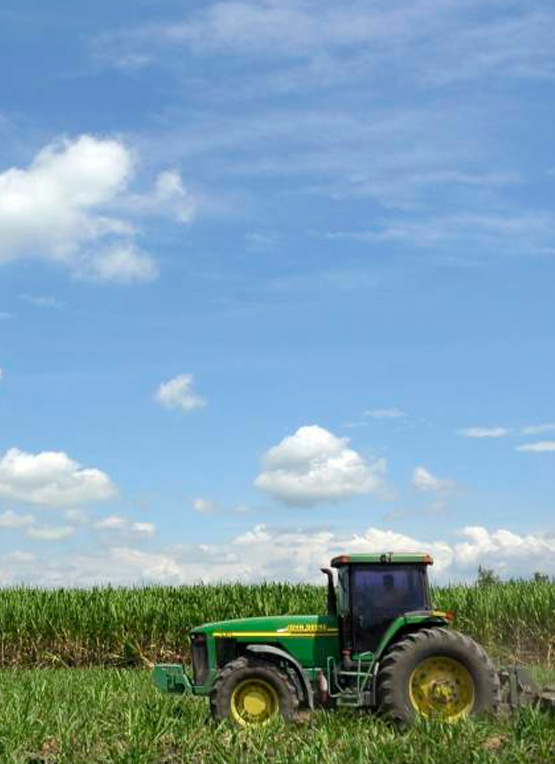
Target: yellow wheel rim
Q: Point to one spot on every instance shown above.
(253, 701)
(442, 686)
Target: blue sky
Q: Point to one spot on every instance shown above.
(275, 281)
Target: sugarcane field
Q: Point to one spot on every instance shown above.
(277, 373)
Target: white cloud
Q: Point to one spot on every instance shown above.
(208, 507)
(172, 197)
(169, 198)
(539, 447)
(484, 432)
(143, 529)
(12, 519)
(76, 516)
(294, 554)
(505, 551)
(51, 207)
(20, 556)
(537, 429)
(314, 466)
(51, 478)
(122, 263)
(423, 480)
(1, 374)
(58, 209)
(444, 42)
(111, 523)
(392, 413)
(517, 231)
(149, 566)
(122, 525)
(205, 506)
(50, 532)
(178, 393)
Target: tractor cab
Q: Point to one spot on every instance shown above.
(373, 591)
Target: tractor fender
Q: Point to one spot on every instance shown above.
(276, 652)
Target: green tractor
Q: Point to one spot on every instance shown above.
(381, 646)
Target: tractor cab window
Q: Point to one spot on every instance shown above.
(379, 595)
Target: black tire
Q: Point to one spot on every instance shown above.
(239, 671)
(399, 663)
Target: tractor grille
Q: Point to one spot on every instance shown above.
(200, 658)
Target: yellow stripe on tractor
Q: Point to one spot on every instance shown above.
(278, 634)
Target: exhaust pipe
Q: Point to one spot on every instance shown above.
(332, 599)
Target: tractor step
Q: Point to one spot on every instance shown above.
(350, 700)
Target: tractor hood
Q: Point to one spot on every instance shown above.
(271, 626)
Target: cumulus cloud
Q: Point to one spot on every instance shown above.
(12, 519)
(205, 506)
(294, 554)
(178, 393)
(484, 432)
(76, 516)
(122, 263)
(423, 480)
(50, 532)
(51, 207)
(111, 523)
(58, 209)
(505, 551)
(119, 524)
(172, 197)
(539, 447)
(51, 478)
(143, 529)
(314, 466)
(208, 507)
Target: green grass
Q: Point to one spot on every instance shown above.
(93, 715)
(134, 627)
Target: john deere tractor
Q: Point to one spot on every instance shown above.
(381, 645)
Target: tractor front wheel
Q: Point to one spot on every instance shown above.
(436, 672)
(250, 692)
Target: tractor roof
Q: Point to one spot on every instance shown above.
(383, 558)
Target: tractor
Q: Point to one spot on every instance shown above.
(381, 645)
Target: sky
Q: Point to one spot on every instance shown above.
(276, 283)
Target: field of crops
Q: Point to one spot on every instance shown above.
(53, 714)
(94, 716)
(135, 627)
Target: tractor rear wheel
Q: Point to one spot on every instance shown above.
(251, 692)
(436, 672)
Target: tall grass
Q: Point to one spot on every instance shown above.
(515, 620)
(100, 716)
(136, 626)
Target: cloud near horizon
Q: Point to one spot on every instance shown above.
(272, 554)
